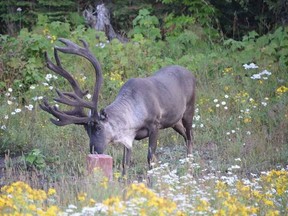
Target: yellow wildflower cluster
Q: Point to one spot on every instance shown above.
(115, 205)
(278, 180)
(281, 90)
(242, 96)
(149, 202)
(20, 199)
(228, 70)
(47, 33)
(116, 78)
(246, 200)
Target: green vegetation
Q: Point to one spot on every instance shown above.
(240, 125)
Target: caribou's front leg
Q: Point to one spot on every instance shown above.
(153, 134)
(126, 160)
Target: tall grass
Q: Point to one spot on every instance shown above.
(237, 116)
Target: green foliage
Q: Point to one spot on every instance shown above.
(272, 47)
(248, 121)
(35, 159)
(146, 25)
(175, 25)
(22, 60)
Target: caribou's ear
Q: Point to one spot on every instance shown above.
(103, 115)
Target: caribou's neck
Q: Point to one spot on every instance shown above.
(121, 121)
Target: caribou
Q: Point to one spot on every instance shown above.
(142, 107)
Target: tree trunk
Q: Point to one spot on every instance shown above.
(100, 21)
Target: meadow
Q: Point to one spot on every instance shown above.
(239, 161)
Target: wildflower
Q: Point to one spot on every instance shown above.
(6, 117)
(82, 196)
(45, 31)
(3, 127)
(71, 206)
(228, 70)
(223, 103)
(32, 87)
(247, 120)
(233, 131)
(281, 90)
(92, 202)
(226, 88)
(104, 183)
(17, 110)
(51, 192)
(201, 125)
(215, 100)
(250, 66)
(226, 108)
(226, 96)
(248, 133)
(52, 38)
(45, 84)
(13, 113)
(101, 45)
(29, 107)
(10, 89)
(264, 103)
(48, 77)
(7, 94)
(9, 102)
(235, 167)
(19, 9)
(51, 87)
(265, 72)
(88, 96)
(255, 76)
(217, 105)
(197, 117)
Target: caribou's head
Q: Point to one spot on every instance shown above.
(94, 122)
(98, 133)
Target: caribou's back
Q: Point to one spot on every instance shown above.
(163, 97)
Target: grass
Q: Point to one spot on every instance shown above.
(240, 131)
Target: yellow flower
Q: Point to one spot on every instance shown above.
(268, 202)
(228, 70)
(226, 88)
(247, 120)
(32, 207)
(51, 191)
(104, 183)
(281, 90)
(92, 202)
(82, 197)
(45, 31)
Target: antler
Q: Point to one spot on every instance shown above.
(77, 115)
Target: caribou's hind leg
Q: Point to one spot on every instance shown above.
(185, 131)
(153, 134)
(187, 123)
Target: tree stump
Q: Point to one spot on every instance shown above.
(99, 19)
(101, 161)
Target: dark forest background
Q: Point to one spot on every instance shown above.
(231, 18)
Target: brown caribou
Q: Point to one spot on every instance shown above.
(142, 107)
